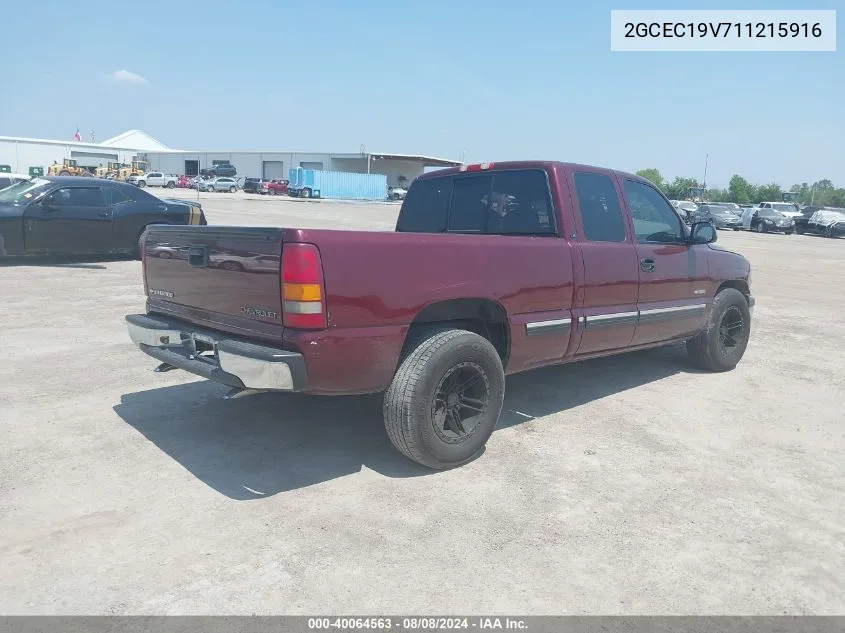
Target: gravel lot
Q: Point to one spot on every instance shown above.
(627, 485)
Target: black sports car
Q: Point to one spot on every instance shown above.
(73, 215)
(769, 221)
(827, 221)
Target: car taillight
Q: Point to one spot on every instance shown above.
(303, 291)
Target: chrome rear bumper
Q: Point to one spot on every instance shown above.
(216, 356)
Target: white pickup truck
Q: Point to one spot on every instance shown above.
(154, 179)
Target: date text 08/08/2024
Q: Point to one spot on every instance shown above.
(424, 623)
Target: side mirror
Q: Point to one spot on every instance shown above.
(703, 233)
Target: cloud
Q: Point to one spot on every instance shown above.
(124, 76)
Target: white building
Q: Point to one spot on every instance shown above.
(22, 153)
(399, 168)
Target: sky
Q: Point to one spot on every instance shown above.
(483, 81)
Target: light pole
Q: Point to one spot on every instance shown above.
(704, 184)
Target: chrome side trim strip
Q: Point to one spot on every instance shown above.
(673, 312)
(674, 309)
(547, 327)
(604, 320)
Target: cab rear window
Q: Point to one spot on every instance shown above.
(507, 202)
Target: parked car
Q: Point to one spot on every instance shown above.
(526, 264)
(733, 207)
(276, 187)
(75, 215)
(220, 170)
(218, 184)
(766, 220)
(7, 179)
(686, 209)
(154, 179)
(396, 193)
(784, 208)
(827, 221)
(184, 182)
(719, 216)
(253, 185)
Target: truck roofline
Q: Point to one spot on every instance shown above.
(532, 164)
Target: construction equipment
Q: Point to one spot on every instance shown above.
(67, 168)
(137, 168)
(110, 171)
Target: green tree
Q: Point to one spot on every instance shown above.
(767, 192)
(652, 175)
(679, 188)
(740, 190)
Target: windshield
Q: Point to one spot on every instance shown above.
(721, 211)
(784, 207)
(22, 192)
(768, 213)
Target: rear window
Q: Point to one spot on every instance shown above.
(510, 202)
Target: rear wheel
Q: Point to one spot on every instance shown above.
(64, 172)
(305, 193)
(232, 189)
(171, 185)
(722, 343)
(231, 266)
(760, 228)
(210, 189)
(445, 398)
(271, 192)
(799, 229)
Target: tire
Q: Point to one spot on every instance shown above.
(799, 230)
(171, 185)
(305, 193)
(760, 228)
(234, 266)
(233, 189)
(271, 192)
(142, 184)
(64, 172)
(417, 426)
(710, 350)
(209, 189)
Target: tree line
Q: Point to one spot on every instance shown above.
(741, 191)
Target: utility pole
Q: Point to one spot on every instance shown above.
(704, 184)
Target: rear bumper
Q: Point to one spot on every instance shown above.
(216, 356)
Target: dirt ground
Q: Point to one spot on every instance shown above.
(627, 485)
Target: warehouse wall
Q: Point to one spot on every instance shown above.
(390, 168)
(21, 155)
(249, 164)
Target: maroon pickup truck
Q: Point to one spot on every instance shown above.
(493, 269)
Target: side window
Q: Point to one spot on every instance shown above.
(426, 207)
(470, 201)
(601, 214)
(117, 196)
(654, 221)
(78, 197)
(520, 204)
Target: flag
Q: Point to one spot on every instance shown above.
(77, 136)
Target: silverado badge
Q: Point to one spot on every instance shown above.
(161, 293)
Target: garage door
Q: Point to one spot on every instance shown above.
(307, 165)
(273, 170)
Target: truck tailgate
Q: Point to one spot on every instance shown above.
(222, 277)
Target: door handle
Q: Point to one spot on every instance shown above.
(104, 214)
(647, 264)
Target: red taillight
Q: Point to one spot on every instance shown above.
(303, 292)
